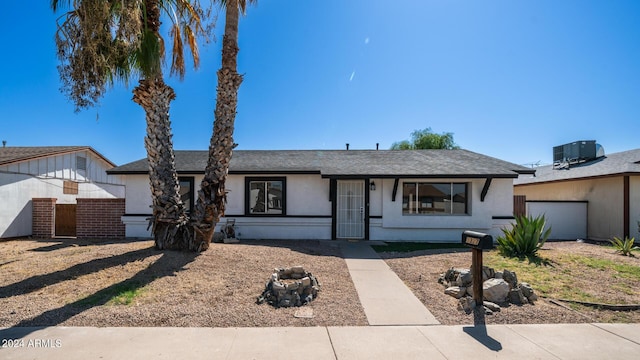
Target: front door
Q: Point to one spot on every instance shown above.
(350, 211)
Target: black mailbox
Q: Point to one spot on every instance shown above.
(477, 240)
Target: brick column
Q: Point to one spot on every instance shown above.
(43, 217)
(100, 218)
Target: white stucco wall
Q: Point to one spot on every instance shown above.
(394, 225)
(309, 211)
(17, 190)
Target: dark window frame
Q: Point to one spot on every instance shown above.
(467, 205)
(247, 193)
(191, 180)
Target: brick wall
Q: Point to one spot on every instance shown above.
(100, 218)
(43, 217)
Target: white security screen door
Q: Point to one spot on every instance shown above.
(350, 208)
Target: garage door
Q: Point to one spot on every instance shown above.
(568, 219)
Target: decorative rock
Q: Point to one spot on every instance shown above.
(495, 290)
(487, 273)
(455, 291)
(465, 278)
(491, 306)
(500, 287)
(527, 291)
(487, 311)
(516, 297)
(510, 278)
(467, 304)
(292, 293)
(470, 290)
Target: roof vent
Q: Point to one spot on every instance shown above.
(575, 153)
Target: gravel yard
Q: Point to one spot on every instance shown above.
(74, 283)
(123, 283)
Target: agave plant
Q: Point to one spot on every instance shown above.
(524, 238)
(624, 247)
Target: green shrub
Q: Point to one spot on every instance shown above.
(625, 246)
(525, 237)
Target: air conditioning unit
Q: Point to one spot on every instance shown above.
(576, 152)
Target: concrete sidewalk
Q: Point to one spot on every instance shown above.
(574, 341)
(385, 298)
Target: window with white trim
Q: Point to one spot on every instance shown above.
(427, 198)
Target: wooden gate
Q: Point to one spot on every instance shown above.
(65, 219)
(519, 205)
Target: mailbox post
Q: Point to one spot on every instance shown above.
(477, 241)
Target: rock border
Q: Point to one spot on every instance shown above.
(499, 288)
(301, 291)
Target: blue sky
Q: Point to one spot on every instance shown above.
(509, 78)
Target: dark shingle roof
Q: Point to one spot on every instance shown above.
(626, 162)
(15, 154)
(345, 163)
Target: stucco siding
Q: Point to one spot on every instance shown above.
(605, 217)
(17, 190)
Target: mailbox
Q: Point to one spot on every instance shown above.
(477, 240)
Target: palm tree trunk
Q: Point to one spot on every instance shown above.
(169, 221)
(211, 200)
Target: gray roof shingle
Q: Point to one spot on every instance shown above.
(626, 162)
(15, 154)
(345, 163)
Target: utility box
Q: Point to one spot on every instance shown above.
(477, 240)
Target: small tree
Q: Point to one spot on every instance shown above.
(426, 139)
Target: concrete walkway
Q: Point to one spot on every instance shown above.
(385, 298)
(521, 342)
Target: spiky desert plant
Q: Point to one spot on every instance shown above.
(524, 238)
(624, 247)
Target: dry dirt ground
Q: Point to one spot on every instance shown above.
(420, 270)
(72, 283)
(80, 283)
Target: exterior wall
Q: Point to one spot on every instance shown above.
(605, 217)
(44, 217)
(100, 218)
(65, 167)
(44, 178)
(308, 208)
(634, 207)
(396, 226)
(567, 219)
(309, 211)
(17, 191)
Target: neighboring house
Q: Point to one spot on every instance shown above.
(42, 187)
(345, 194)
(595, 198)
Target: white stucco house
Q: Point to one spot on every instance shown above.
(410, 195)
(59, 174)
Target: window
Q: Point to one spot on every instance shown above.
(265, 196)
(434, 198)
(186, 192)
(81, 163)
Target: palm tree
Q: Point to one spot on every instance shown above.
(100, 41)
(210, 205)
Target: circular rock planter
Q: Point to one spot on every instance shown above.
(290, 287)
